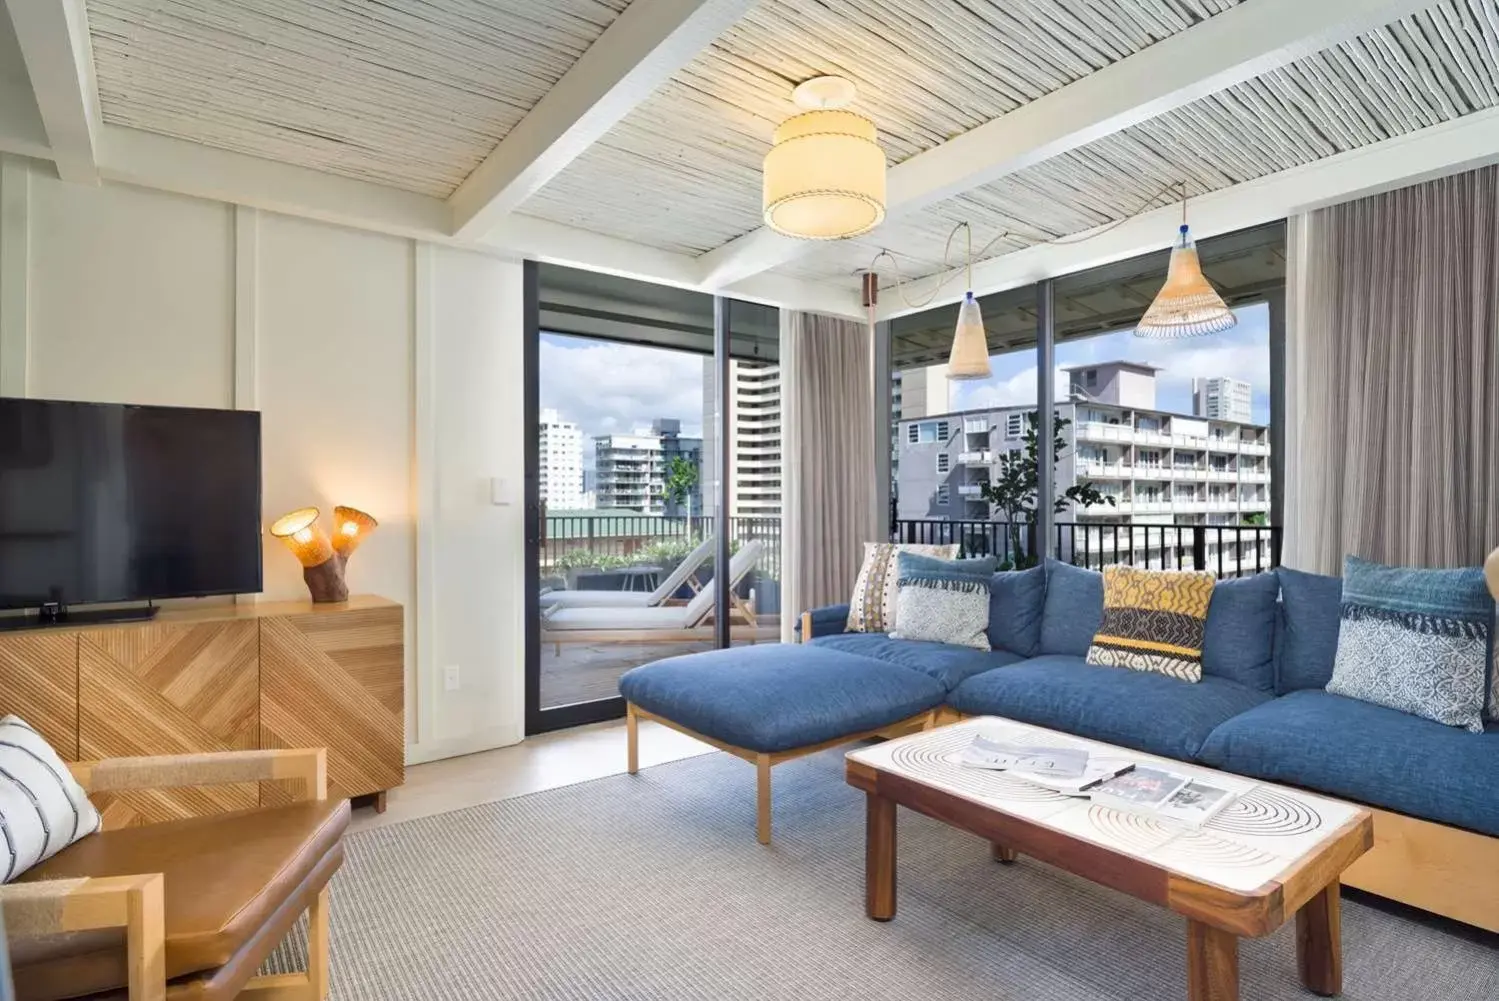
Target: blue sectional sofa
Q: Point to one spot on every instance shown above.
(1260, 711)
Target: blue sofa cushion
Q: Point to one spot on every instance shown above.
(1139, 709)
(1312, 608)
(1239, 641)
(1017, 600)
(776, 698)
(827, 621)
(949, 664)
(1073, 610)
(1360, 751)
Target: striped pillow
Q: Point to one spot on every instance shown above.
(1153, 620)
(872, 608)
(42, 808)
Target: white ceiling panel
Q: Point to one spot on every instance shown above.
(1433, 67)
(408, 93)
(682, 172)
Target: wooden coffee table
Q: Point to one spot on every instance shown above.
(1273, 853)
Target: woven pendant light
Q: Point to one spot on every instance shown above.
(1187, 305)
(969, 358)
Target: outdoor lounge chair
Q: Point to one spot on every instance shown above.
(634, 599)
(660, 624)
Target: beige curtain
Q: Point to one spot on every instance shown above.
(828, 440)
(1393, 378)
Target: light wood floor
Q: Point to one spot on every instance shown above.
(537, 763)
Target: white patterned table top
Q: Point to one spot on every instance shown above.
(1262, 835)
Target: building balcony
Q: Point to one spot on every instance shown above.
(1254, 447)
(1098, 431)
(983, 457)
(971, 489)
(1107, 470)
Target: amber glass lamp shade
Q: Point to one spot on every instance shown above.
(350, 526)
(304, 536)
(1491, 571)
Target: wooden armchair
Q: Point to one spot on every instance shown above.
(187, 909)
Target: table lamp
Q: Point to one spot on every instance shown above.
(1491, 571)
(323, 559)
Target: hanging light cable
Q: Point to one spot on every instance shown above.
(1187, 305)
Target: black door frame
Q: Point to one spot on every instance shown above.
(540, 719)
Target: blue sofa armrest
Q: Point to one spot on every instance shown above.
(828, 621)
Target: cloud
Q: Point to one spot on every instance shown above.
(608, 388)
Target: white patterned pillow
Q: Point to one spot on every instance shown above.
(872, 608)
(944, 608)
(42, 808)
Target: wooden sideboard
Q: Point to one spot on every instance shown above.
(233, 677)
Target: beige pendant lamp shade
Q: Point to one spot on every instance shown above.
(970, 344)
(824, 177)
(1187, 305)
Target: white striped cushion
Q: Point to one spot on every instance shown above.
(42, 808)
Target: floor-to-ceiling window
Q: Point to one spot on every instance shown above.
(1165, 452)
(628, 479)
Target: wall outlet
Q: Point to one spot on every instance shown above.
(450, 679)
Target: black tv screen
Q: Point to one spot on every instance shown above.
(105, 502)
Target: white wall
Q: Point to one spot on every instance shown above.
(387, 373)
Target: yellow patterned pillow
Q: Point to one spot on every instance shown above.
(1153, 620)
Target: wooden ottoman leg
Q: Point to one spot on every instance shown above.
(1002, 854)
(632, 738)
(1319, 942)
(762, 797)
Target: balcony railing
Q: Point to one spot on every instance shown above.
(617, 541)
(1226, 550)
(981, 458)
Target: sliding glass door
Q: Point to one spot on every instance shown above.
(643, 446)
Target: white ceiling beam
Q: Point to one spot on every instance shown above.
(1437, 151)
(21, 129)
(1241, 43)
(145, 159)
(54, 40)
(638, 52)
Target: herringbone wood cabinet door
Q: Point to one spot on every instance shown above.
(39, 683)
(169, 689)
(336, 681)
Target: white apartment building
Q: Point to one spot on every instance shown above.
(561, 460)
(1159, 468)
(630, 469)
(1223, 399)
(755, 437)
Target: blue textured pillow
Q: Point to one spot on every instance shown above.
(1311, 610)
(1416, 641)
(982, 566)
(1017, 599)
(1239, 640)
(1074, 609)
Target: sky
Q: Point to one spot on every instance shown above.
(1240, 353)
(608, 388)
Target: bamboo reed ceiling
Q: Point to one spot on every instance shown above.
(407, 93)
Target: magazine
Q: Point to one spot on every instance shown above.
(1055, 762)
(1097, 772)
(1162, 795)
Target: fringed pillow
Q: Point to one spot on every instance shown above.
(1416, 641)
(872, 608)
(943, 601)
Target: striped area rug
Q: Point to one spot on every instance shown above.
(653, 887)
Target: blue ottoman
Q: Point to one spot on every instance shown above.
(768, 704)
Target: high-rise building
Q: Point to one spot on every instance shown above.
(920, 392)
(561, 459)
(631, 469)
(1223, 399)
(755, 438)
(1156, 467)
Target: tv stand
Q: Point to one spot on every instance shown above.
(60, 615)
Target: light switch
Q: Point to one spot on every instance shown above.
(499, 491)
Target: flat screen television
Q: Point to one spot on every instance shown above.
(114, 503)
